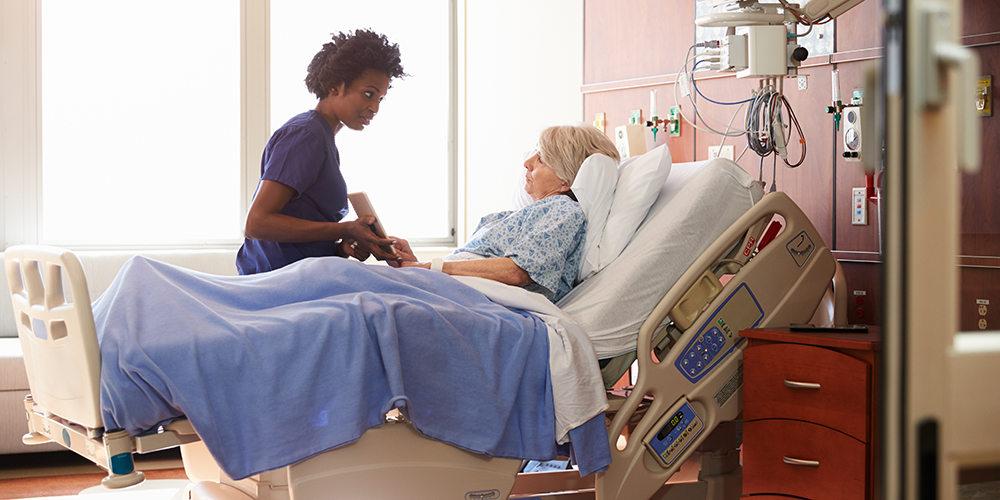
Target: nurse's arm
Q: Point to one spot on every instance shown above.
(266, 222)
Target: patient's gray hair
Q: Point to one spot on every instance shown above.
(564, 148)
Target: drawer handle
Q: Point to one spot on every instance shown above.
(801, 463)
(801, 385)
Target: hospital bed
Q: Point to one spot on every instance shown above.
(750, 260)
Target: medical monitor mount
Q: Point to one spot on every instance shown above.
(768, 48)
(757, 13)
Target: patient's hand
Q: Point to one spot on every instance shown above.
(404, 253)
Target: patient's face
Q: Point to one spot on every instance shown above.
(540, 180)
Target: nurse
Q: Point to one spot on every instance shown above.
(301, 197)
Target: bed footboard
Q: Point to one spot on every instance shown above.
(55, 326)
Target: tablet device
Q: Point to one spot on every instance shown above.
(809, 327)
(363, 208)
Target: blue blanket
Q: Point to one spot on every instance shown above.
(274, 368)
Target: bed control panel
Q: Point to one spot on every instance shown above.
(719, 335)
(674, 433)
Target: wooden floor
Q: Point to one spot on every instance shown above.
(34, 475)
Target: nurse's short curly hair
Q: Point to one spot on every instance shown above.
(564, 148)
(348, 56)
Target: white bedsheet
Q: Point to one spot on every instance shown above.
(577, 393)
(698, 202)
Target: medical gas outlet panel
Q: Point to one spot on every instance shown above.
(719, 336)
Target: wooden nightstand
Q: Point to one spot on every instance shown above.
(809, 406)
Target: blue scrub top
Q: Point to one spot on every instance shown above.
(301, 154)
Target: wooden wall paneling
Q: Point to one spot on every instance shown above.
(863, 277)
(850, 175)
(980, 229)
(979, 284)
(811, 184)
(861, 27)
(980, 16)
(617, 106)
(625, 39)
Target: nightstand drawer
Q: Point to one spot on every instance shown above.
(786, 457)
(808, 383)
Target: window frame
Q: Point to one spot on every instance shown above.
(20, 119)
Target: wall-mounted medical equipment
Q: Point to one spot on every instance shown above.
(765, 46)
(852, 133)
(630, 140)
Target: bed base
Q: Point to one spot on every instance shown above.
(394, 460)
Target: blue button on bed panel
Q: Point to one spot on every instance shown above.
(712, 342)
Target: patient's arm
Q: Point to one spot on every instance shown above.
(501, 269)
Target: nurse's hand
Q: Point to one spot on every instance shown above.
(349, 248)
(364, 242)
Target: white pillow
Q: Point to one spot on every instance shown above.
(594, 188)
(639, 183)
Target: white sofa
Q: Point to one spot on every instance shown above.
(101, 269)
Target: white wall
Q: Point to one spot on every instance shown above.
(523, 68)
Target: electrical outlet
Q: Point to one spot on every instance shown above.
(723, 151)
(803, 82)
(859, 207)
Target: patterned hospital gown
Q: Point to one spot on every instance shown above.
(545, 238)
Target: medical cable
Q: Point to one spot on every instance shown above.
(697, 112)
(774, 175)
(694, 104)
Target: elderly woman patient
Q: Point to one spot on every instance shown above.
(538, 247)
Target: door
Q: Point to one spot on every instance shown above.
(941, 396)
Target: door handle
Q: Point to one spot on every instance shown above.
(937, 51)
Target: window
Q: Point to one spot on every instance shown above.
(403, 158)
(140, 122)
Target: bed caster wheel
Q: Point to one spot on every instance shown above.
(116, 481)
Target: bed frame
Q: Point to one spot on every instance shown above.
(57, 334)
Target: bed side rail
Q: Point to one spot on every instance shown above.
(783, 282)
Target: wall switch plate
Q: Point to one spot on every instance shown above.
(859, 207)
